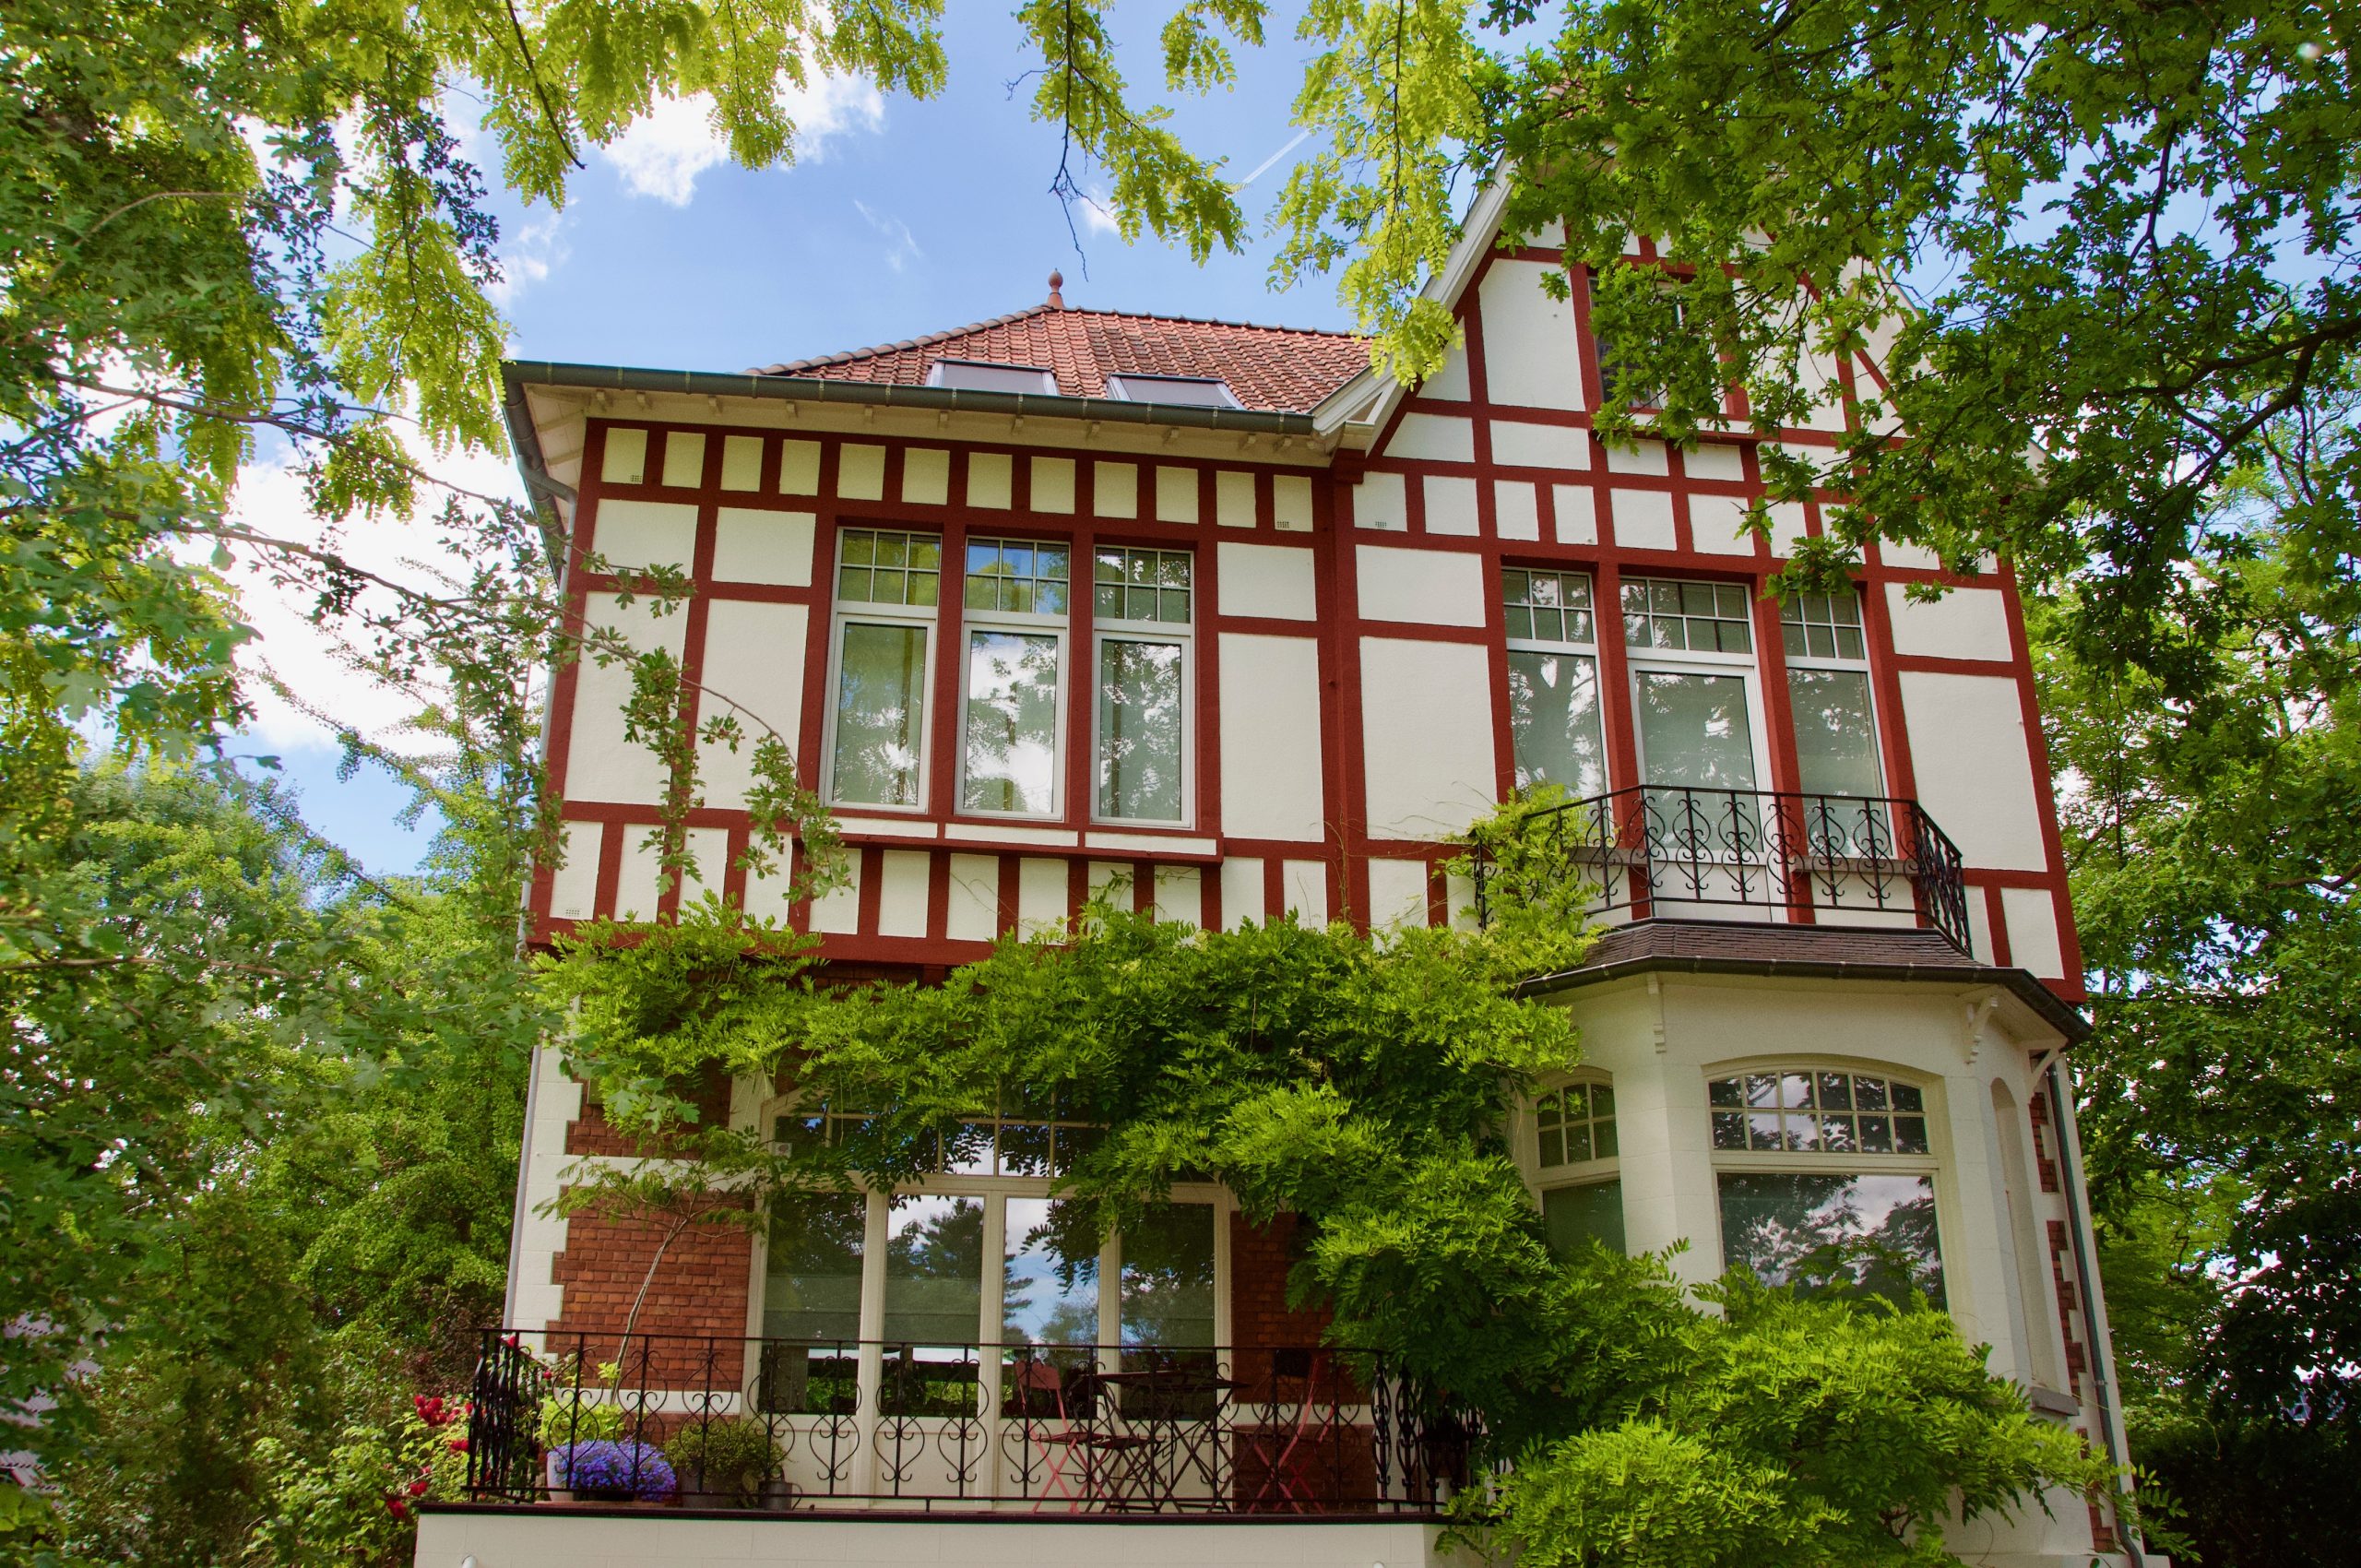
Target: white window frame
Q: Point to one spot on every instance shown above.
(1589, 650)
(1049, 382)
(1130, 388)
(844, 612)
(1748, 666)
(1028, 624)
(1107, 629)
(993, 1190)
(1931, 1165)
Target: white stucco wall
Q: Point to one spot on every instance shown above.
(754, 657)
(550, 1538)
(1966, 623)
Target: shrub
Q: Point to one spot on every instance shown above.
(733, 1458)
(604, 1469)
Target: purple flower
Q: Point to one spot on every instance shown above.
(609, 1470)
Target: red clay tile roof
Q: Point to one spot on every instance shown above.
(1277, 369)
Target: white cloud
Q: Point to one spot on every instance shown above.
(530, 253)
(321, 673)
(901, 245)
(1096, 211)
(665, 150)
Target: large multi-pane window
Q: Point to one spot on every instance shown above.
(1836, 725)
(1016, 599)
(1577, 1165)
(887, 584)
(1013, 605)
(1141, 605)
(1553, 680)
(1827, 1179)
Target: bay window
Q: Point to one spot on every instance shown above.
(1553, 680)
(887, 583)
(1014, 605)
(1578, 1167)
(1826, 1178)
(1141, 604)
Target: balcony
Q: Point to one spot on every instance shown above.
(871, 1426)
(1668, 850)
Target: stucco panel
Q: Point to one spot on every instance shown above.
(1437, 588)
(1433, 437)
(1531, 356)
(1272, 778)
(1427, 746)
(601, 764)
(754, 546)
(1265, 580)
(646, 533)
(753, 656)
(1974, 768)
(1966, 623)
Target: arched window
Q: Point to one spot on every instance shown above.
(1826, 1178)
(1577, 1165)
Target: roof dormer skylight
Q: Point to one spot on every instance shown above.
(981, 375)
(1195, 391)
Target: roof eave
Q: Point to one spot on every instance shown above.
(2038, 997)
(519, 374)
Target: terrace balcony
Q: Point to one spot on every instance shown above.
(1668, 851)
(1025, 1431)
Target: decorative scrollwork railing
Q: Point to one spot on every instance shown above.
(1064, 1429)
(1654, 846)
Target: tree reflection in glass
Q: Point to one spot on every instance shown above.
(881, 710)
(1012, 723)
(1553, 713)
(812, 1299)
(1869, 1235)
(1837, 753)
(1139, 731)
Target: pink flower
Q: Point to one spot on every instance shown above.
(458, 1445)
(417, 1488)
(398, 1506)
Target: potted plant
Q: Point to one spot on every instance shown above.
(607, 1470)
(567, 1423)
(730, 1461)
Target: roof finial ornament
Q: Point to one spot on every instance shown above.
(1057, 282)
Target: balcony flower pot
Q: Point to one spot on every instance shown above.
(605, 1470)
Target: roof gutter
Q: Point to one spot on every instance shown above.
(2017, 983)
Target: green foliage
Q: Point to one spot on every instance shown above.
(2098, 256)
(1361, 1085)
(731, 1458)
(2211, 822)
(1801, 1430)
(260, 1171)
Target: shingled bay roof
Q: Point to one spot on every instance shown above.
(1277, 369)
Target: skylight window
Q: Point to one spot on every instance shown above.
(1201, 392)
(978, 376)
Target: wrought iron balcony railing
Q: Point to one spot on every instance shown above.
(1063, 1429)
(1655, 848)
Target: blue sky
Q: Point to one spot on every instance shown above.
(899, 218)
